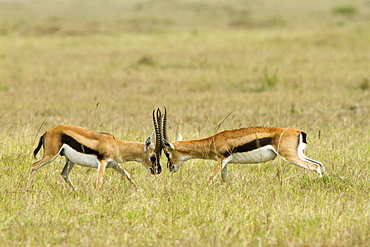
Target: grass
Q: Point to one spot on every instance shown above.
(344, 10)
(107, 66)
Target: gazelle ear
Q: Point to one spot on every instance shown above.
(179, 137)
(153, 136)
(167, 144)
(148, 141)
(147, 144)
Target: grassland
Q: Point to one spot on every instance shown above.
(215, 65)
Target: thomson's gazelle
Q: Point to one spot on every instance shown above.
(85, 147)
(243, 146)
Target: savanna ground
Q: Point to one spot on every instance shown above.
(215, 65)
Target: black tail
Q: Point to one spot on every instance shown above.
(304, 137)
(41, 142)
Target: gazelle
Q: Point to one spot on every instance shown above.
(242, 146)
(97, 150)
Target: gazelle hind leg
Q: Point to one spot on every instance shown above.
(37, 165)
(308, 160)
(65, 173)
(295, 154)
(308, 165)
(122, 171)
(299, 159)
(320, 168)
(221, 165)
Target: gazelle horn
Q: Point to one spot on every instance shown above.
(157, 120)
(164, 130)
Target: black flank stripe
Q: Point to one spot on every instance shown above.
(79, 147)
(250, 146)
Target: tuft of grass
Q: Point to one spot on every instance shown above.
(3, 88)
(365, 84)
(271, 79)
(146, 60)
(344, 10)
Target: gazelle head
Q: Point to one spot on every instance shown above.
(174, 157)
(152, 162)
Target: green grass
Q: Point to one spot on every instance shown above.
(106, 66)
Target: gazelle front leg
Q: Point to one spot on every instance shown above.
(224, 173)
(221, 165)
(122, 170)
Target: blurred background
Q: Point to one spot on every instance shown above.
(107, 65)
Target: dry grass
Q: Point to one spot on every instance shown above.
(107, 66)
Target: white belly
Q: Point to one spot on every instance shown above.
(78, 158)
(260, 155)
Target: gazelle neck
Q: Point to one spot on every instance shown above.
(136, 151)
(195, 149)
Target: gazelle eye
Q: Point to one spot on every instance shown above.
(168, 155)
(153, 158)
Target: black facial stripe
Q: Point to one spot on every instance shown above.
(250, 146)
(66, 139)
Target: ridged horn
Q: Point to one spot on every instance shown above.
(157, 120)
(164, 127)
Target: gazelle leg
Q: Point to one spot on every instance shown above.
(299, 159)
(65, 172)
(295, 155)
(101, 170)
(221, 164)
(321, 169)
(37, 165)
(224, 173)
(122, 170)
